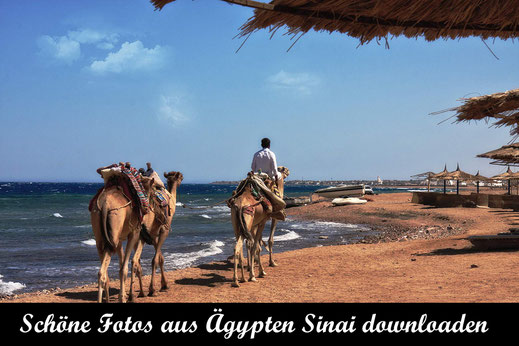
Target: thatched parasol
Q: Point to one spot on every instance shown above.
(502, 107)
(460, 175)
(507, 155)
(508, 175)
(443, 175)
(457, 175)
(426, 175)
(378, 19)
(480, 178)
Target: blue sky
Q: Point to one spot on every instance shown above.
(84, 84)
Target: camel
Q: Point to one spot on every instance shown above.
(249, 216)
(158, 232)
(114, 221)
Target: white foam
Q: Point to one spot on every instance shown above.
(183, 260)
(57, 215)
(7, 288)
(289, 235)
(179, 204)
(89, 242)
(206, 216)
(83, 226)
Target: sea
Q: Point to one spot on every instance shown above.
(46, 239)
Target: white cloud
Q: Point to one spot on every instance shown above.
(171, 109)
(60, 48)
(131, 57)
(68, 48)
(300, 82)
(89, 36)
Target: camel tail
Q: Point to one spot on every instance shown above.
(107, 231)
(241, 224)
(145, 235)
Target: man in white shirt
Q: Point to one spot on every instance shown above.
(265, 161)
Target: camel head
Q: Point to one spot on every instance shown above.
(173, 178)
(284, 171)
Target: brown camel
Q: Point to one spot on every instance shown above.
(158, 232)
(114, 221)
(249, 216)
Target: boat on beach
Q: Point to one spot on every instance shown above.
(341, 191)
(348, 201)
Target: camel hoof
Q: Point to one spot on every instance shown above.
(273, 264)
(262, 274)
(253, 280)
(235, 284)
(152, 294)
(141, 295)
(164, 289)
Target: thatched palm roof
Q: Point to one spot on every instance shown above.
(377, 19)
(502, 107)
(506, 155)
(454, 175)
(508, 175)
(442, 175)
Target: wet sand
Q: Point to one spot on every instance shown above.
(421, 255)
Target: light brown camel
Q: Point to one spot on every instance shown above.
(158, 232)
(249, 216)
(114, 221)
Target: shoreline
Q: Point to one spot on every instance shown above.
(420, 255)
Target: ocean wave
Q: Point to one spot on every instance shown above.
(89, 242)
(57, 215)
(7, 288)
(83, 226)
(183, 260)
(289, 235)
(206, 216)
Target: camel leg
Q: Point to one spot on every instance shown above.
(136, 269)
(154, 263)
(259, 234)
(252, 254)
(238, 249)
(103, 281)
(273, 224)
(123, 273)
(164, 283)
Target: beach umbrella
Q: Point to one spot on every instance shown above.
(508, 175)
(479, 178)
(426, 175)
(380, 19)
(502, 108)
(507, 155)
(443, 175)
(459, 175)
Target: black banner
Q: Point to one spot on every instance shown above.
(239, 323)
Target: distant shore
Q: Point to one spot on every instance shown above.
(421, 255)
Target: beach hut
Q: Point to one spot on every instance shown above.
(380, 19)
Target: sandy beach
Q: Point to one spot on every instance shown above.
(421, 255)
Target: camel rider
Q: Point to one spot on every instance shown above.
(264, 161)
(152, 174)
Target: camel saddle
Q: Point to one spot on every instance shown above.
(262, 185)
